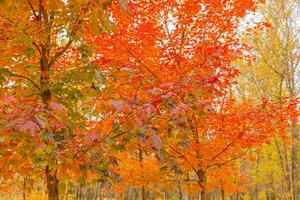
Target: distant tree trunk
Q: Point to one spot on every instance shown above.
(223, 194)
(141, 164)
(180, 191)
(143, 193)
(24, 189)
(201, 183)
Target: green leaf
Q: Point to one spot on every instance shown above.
(25, 39)
(29, 52)
(62, 187)
(116, 128)
(5, 72)
(119, 147)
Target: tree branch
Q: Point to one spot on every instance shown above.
(230, 160)
(73, 31)
(25, 77)
(142, 63)
(60, 53)
(181, 155)
(33, 10)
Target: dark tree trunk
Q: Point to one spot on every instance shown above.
(223, 194)
(24, 189)
(52, 184)
(180, 191)
(201, 183)
(143, 193)
(47, 19)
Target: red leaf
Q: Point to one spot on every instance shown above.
(156, 141)
(57, 107)
(29, 126)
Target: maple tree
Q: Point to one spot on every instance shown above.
(45, 76)
(169, 76)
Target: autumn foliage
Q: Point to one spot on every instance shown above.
(138, 94)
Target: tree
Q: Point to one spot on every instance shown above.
(169, 76)
(45, 77)
(273, 75)
(98, 90)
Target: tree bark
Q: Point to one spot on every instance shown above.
(140, 151)
(223, 194)
(143, 193)
(52, 180)
(201, 183)
(47, 20)
(180, 191)
(24, 189)
(52, 184)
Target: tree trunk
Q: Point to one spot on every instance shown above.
(52, 184)
(140, 151)
(201, 183)
(143, 193)
(223, 194)
(52, 180)
(203, 195)
(180, 191)
(24, 189)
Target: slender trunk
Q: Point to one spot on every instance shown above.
(47, 20)
(52, 181)
(201, 183)
(143, 193)
(52, 184)
(289, 172)
(203, 195)
(180, 191)
(24, 189)
(141, 164)
(223, 194)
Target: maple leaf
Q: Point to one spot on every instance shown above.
(155, 140)
(57, 107)
(29, 126)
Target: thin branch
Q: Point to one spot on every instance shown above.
(25, 77)
(33, 10)
(142, 63)
(223, 150)
(60, 53)
(73, 31)
(37, 47)
(181, 155)
(230, 160)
